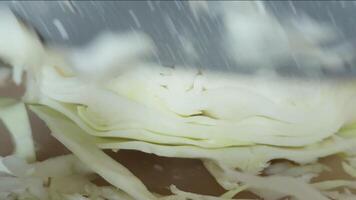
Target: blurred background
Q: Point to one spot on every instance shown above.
(185, 32)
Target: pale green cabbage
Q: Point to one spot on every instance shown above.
(280, 185)
(236, 124)
(255, 111)
(63, 177)
(349, 169)
(84, 147)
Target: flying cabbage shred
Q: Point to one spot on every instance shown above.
(236, 124)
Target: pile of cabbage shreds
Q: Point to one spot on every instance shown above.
(107, 97)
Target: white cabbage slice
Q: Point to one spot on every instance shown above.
(305, 172)
(26, 50)
(256, 111)
(349, 169)
(63, 177)
(340, 196)
(181, 195)
(285, 186)
(332, 184)
(14, 116)
(248, 158)
(275, 185)
(84, 147)
(57, 178)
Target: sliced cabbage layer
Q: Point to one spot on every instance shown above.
(222, 163)
(281, 113)
(248, 158)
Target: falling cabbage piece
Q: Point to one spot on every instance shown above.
(26, 50)
(14, 115)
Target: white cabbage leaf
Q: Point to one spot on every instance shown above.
(256, 111)
(63, 177)
(305, 172)
(332, 184)
(83, 146)
(228, 176)
(247, 158)
(26, 49)
(283, 185)
(14, 116)
(250, 159)
(349, 169)
(346, 195)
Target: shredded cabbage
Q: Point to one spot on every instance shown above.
(83, 146)
(63, 177)
(286, 186)
(26, 49)
(349, 169)
(226, 175)
(305, 172)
